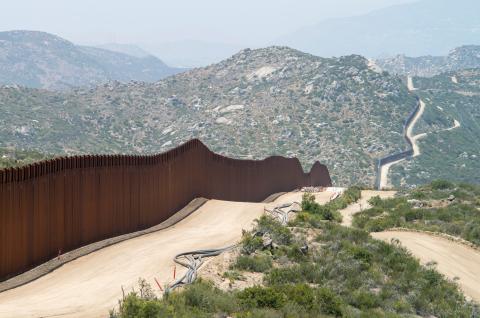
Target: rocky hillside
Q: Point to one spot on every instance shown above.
(42, 60)
(461, 58)
(257, 103)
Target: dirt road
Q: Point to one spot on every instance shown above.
(409, 132)
(91, 285)
(362, 204)
(384, 170)
(410, 84)
(454, 260)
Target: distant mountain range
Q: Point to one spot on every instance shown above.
(427, 27)
(461, 58)
(42, 60)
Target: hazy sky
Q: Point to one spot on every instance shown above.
(249, 22)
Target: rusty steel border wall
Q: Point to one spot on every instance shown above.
(58, 205)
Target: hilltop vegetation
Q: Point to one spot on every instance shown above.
(14, 158)
(441, 206)
(314, 268)
(273, 101)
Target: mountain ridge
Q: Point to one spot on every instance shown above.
(42, 60)
(271, 101)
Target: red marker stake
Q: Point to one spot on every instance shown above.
(174, 271)
(158, 284)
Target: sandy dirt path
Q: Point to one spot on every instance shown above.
(91, 285)
(384, 170)
(454, 260)
(410, 84)
(362, 204)
(416, 148)
(456, 124)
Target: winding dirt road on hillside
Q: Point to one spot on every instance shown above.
(454, 260)
(91, 285)
(384, 170)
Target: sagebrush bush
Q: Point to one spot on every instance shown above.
(256, 263)
(261, 297)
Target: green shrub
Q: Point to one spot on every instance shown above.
(203, 297)
(328, 211)
(308, 202)
(365, 300)
(329, 302)
(279, 233)
(375, 201)
(441, 185)
(257, 263)
(295, 253)
(261, 297)
(136, 307)
(302, 294)
(251, 243)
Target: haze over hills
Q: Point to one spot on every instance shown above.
(461, 58)
(190, 53)
(426, 27)
(129, 49)
(252, 105)
(42, 60)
